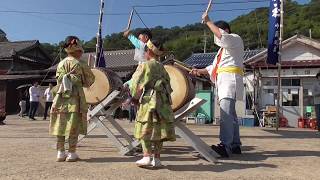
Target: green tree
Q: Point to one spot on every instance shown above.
(252, 27)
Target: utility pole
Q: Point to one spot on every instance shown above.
(310, 33)
(205, 38)
(279, 64)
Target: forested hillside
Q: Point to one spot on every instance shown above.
(252, 27)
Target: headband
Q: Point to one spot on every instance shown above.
(74, 46)
(153, 48)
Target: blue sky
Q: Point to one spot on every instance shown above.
(53, 28)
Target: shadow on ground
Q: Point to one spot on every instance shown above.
(221, 166)
(218, 167)
(133, 159)
(281, 134)
(263, 155)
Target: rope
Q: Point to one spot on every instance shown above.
(54, 61)
(140, 18)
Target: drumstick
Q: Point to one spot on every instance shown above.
(208, 9)
(182, 64)
(183, 67)
(89, 60)
(189, 70)
(130, 19)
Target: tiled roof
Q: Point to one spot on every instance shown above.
(116, 58)
(121, 62)
(201, 60)
(2, 32)
(17, 77)
(7, 49)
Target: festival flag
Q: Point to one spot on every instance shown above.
(274, 32)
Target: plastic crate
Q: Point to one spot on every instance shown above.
(201, 119)
(248, 122)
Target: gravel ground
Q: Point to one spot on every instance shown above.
(26, 152)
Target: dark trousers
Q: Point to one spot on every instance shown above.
(132, 113)
(33, 109)
(317, 108)
(229, 126)
(47, 107)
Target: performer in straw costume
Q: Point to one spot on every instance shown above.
(69, 109)
(151, 89)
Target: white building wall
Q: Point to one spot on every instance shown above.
(292, 113)
(296, 72)
(299, 51)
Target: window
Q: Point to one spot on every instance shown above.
(285, 82)
(265, 91)
(267, 82)
(295, 82)
(290, 82)
(270, 91)
(290, 97)
(307, 98)
(270, 82)
(249, 101)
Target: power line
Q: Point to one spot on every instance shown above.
(48, 13)
(200, 4)
(121, 14)
(143, 6)
(61, 22)
(197, 11)
(46, 18)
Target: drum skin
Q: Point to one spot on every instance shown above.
(105, 82)
(182, 86)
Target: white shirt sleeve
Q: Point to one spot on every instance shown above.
(228, 40)
(209, 69)
(45, 93)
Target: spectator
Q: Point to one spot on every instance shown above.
(22, 105)
(132, 112)
(49, 98)
(34, 93)
(128, 105)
